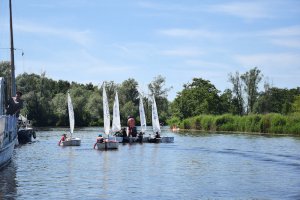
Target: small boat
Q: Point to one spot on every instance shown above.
(109, 143)
(8, 123)
(116, 122)
(156, 127)
(25, 132)
(131, 122)
(143, 121)
(71, 141)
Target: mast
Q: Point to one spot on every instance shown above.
(12, 90)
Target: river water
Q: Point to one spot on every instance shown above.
(195, 166)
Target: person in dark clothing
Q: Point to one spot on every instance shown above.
(15, 104)
(124, 134)
(157, 135)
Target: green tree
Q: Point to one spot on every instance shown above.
(128, 99)
(296, 104)
(79, 98)
(198, 97)
(60, 109)
(95, 108)
(158, 88)
(238, 100)
(276, 100)
(251, 80)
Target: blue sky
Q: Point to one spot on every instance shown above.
(113, 40)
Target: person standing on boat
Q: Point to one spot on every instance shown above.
(131, 127)
(15, 104)
(99, 139)
(63, 138)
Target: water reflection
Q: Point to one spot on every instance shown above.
(8, 183)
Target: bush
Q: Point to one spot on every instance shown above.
(207, 122)
(269, 123)
(278, 123)
(187, 124)
(224, 123)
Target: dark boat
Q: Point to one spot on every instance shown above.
(25, 132)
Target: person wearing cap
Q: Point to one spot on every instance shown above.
(15, 104)
(99, 139)
(63, 138)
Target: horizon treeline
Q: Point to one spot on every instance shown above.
(46, 99)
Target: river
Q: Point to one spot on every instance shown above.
(195, 166)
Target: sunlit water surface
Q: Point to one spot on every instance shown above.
(201, 166)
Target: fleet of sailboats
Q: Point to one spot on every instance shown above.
(8, 123)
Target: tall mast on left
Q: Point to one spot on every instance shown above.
(12, 90)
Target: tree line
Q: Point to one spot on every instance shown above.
(46, 103)
(46, 99)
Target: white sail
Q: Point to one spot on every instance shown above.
(155, 120)
(71, 114)
(106, 115)
(116, 123)
(142, 115)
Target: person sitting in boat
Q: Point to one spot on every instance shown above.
(157, 135)
(118, 133)
(63, 138)
(140, 137)
(131, 127)
(15, 104)
(99, 139)
(124, 134)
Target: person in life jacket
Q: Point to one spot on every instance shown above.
(63, 138)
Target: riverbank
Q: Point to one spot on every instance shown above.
(272, 123)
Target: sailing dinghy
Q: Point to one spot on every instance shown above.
(71, 141)
(156, 126)
(116, 122)
(109, 143)
(143, 121)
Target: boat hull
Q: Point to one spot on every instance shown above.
(72, 142)
(6, 153)
(8, 138)
(167, 140)
(145, 140)
(110, 145)
(131, 139)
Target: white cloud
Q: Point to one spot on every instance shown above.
(79, 37)
(188, 33)
(212, 66)
(291, 43)
(276, 60)
(183, 52)
(282, 32)
(246, 10)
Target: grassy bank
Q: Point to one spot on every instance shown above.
(269, 123)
